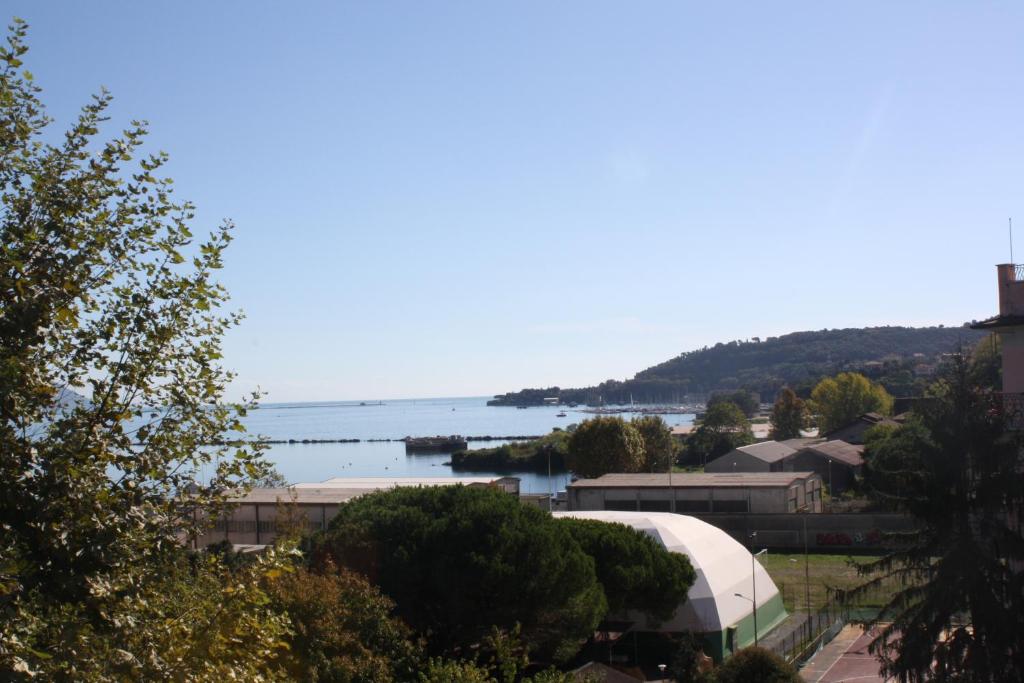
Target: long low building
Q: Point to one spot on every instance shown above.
(699, 493)
(261, 513)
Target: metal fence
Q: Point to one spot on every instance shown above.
(803, 634)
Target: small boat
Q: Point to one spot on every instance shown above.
(561, 413)
(521, 407)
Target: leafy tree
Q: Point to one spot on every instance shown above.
(687, 660)
(839, 400)
(958, 613)
(343, 629)
(105, 293)
(605, 444)
(986, 364)
(481, 559)
(659, 445)
(756, 665)
(271, 479)
(789, 416)
(635, 571)
(724, 428)
(439, 670)
(534, 455)
(746, 401)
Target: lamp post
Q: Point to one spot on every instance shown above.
(754, 605)
(753, 579)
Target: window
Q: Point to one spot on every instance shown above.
(729, 506)
(656, 505)
(693, 506)
(620, 505)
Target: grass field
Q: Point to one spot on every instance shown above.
(826, 571)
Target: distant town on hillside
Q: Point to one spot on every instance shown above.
(899, 358)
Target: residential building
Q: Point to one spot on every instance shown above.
(1009, 325)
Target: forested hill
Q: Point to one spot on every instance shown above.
(899, 357)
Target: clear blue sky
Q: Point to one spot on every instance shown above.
(466, 198)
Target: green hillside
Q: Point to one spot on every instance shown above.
(899, 357)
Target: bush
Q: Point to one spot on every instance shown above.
(756, 665)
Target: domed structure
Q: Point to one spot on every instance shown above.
(719, 604)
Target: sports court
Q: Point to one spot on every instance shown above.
(846, 658)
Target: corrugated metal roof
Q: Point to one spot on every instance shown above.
(309, 496)
(392, 482)
(696, 480)
(342, 489)
(768, 451)
(839, 450)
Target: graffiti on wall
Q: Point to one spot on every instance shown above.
(872, 537)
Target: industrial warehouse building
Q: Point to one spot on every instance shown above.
(719, 605)
(767, 456)
(699, 493)
(261, 513)
(837, 462)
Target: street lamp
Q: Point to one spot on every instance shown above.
(754, 605)
(753, 579)
(804, 509)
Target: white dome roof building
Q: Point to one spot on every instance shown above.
(724, 569)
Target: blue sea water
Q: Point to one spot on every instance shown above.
(394, 420)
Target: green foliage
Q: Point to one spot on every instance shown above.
(635, 571)
(343, 629)
(958, 611)
(271, 479)
(986, 364)
(756, 665)
(105, 293)
(839, 400)
(724, 428)
(764, 366)
(481, 559)
(685, 662)
(746, 401)
(195, 621)
(440, 670)
(659, 446)
(506, 662)
(605, 444)
(789, 416)
(520, 456)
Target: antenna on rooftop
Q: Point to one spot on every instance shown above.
(1011, 240)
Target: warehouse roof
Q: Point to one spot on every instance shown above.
(342, 489)
(376, 483)
(696, 480)
(768, 451)
(839, 450)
